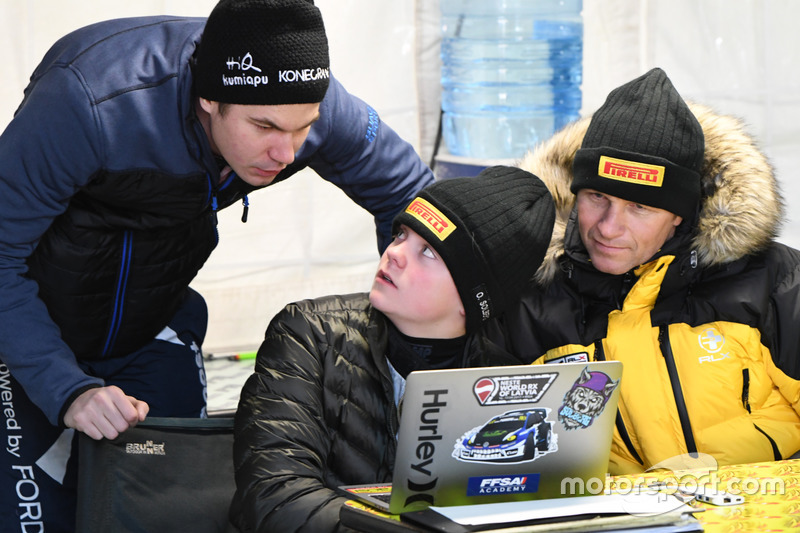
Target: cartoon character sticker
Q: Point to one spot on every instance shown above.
(586, 399)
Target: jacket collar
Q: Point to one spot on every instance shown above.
(478, 351)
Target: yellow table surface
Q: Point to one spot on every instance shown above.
(771, 493)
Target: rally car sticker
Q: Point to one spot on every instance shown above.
(512, 437)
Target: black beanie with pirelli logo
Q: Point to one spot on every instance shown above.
(491, 230)
(644, 145)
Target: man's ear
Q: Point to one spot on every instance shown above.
(207, 105)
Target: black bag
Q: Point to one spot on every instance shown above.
(165, 475)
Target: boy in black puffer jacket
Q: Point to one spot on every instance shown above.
(320, 411)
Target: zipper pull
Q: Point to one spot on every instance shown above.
(245, 208)
(567, 268)
(214, 206)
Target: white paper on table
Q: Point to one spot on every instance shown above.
(639, 503)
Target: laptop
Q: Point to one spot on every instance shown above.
(498, 434)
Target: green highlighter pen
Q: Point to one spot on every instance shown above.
(239, 356)
(242, 356)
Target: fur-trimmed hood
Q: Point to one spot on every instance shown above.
(742, 207)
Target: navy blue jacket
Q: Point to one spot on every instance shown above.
(109, 192)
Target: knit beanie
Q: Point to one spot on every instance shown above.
(491, 230)
(263, 52)
(644, 145)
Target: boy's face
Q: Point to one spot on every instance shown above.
(414, 289)
(257, 141)
(619, 234)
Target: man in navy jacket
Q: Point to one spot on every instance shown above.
(132, 134)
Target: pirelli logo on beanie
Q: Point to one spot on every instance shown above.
(431, 218)
(631, 171)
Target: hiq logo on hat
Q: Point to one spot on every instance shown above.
(243, 64)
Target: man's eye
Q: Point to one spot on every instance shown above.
(427, 252)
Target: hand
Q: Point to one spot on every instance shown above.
(105, 412)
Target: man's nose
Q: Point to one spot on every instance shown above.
(281, 148)
(612, 222)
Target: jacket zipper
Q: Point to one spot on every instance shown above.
(627, 282)
(776, 453)
(119, 297)
(212, 200)
(746, 403)
(393, 421)
(677, 391)
(600, 355)
(746, 389)
(212, 191)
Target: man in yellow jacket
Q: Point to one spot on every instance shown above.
(663, 257)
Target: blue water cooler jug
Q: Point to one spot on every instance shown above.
(511, 73)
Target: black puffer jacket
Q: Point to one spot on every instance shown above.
(318, 413)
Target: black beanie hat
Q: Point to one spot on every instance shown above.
(491, 230)
(644, 145)
(263, 52)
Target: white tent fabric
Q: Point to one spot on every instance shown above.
(304, 238)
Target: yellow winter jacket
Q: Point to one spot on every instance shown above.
(708, 330)
(717, 377)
